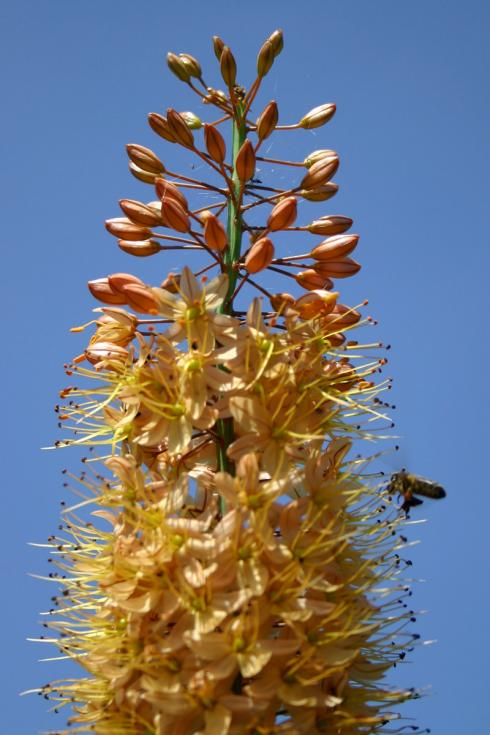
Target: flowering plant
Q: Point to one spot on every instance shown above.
(238, 572)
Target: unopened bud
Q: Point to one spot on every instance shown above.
(277, 41)
(160, 126)
(140, 248)
(179, 128)
(101, 290)
(316, 303)
(105, 351)
(267, 121)
(281, 301)
(215, 143)
(168, 190)
(317, 156)
(321, 193)
(192, 65)
(118, 281)
(318, 116)
(140, 213)
(333, 224)
(283, 214)
(145, 159)
(191, 120)
(320, 172)
(311, 280)
(171, 282)
(178, 67)
(214, 95)
(338, 268)
(218, 46)
(122, 227)
(215, 233)
(245, 161)
(145, 176)
(265, 59)
(140, 299)
(344, 316)
(174, 215)
(228, 67)
(260, 255)
(335, 247)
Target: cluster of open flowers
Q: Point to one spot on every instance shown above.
(238, 573)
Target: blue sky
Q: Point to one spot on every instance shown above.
(410, 80)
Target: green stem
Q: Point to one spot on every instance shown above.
(231, 257)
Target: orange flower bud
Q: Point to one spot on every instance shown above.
(311, 280)
(260, 255)
(267, 120)
(160, 126)
(102, 291)
(145, 159)
(140, 248)
(320, 172)
(321, 193)
(192, 65)
(330, 224)
(215, 233)
(228, 67)
(179, 128)
(265, 59)
(277, 40)
(122, 227)
(140, 213)
(171, 282)
(178, 67)
(344, 316)
(218, 46)
(118, 281)
(245, 161)
(339, 268)
(318, 116)
(140, 298)
(105, 351)
(315, 303)
(283, 214)
(215, 143)
(168, 190)
(145, 176)
(335, 247)
(191, 120)
(281, 301)
(174, 215)
(317, 156)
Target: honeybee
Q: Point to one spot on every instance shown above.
(408, 486)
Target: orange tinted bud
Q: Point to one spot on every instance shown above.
(192, 65)
(317, 155)
(215, 233)
(245, 161)
(283, 214)
(122, 227)
(181, 131)
(281, 301)
(101, 290)
(331, 224)
(117, 281)
(344, 316)
(105, 351)
(140, 213)
(321, 193)
(168, 190)
(320, 172)
(140, 299)
(218, 46)
(265, 58)
(339, 268)
(277, 41)
(228, 67)
(318, 116)
(312, 280)
(178, 67)
(215, 143)
(315, 303)
(335, 247)
(160, 126)
(260, 255)
(267, 120)
(171, 282)
(145, 159)
(145, 176)
(140, 248)
(174, 215)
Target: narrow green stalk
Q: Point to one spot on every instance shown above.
(231, 257)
